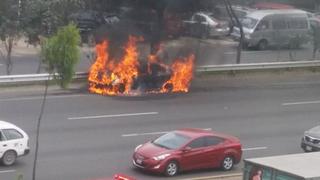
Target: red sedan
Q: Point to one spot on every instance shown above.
(188, 149)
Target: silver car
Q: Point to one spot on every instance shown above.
(311, 140)
(204, 25)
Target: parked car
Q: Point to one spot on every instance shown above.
(314, 19)
(204, 25)
(188, 149)
(272, 5)
(173, 25)
(316, 14)
(86, 20)
(314, 22)
(89, 21)
(311, 140)
(14, 142)
(265, 28)
(142, 21)
(220, 12)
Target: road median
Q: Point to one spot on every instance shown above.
(211, 69)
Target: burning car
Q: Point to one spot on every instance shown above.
(130, 75)
(150, 78)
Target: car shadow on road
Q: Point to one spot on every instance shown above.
(188, 174)
(149, 96)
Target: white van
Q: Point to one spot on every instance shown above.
(13, 143)
(285, 27)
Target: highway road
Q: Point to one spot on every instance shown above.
(209, 52)
(86, 136)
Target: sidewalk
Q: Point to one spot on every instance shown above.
(21, 48)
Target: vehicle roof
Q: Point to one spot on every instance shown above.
(204, 13)
(315, 129)
(207, 14)
(259, 14)
(305, 165)
(196, 132)
(237, 7)
(272, 5)
(4, 124)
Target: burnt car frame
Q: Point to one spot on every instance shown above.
(151, 77)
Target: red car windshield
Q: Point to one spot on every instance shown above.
(171, 140)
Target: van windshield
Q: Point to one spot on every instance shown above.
(249, 22)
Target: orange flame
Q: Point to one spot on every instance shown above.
(182, 75)
(110, 78)
(97, 73)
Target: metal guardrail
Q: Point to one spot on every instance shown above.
(25, 78)
(209, 68)
(258, 66)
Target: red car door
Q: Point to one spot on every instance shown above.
(214, 151)
(193, 156)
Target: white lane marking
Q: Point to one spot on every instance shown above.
(150, 133)
(253, 52)
(143, 134)
(297, 83)
(40, 97)
(7, 171)
(113, 115)
(254, 148)
(247, 52)
(301, 103)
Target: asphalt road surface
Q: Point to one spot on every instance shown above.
(86, 136)
(208, 52)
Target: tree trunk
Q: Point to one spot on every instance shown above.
(240, 46)
(9, 45)
(8, 63)
(2, 55)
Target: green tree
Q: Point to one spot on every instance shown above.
(61, 54)
(44, 17)
(9, 29)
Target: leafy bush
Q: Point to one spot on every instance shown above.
(61, 54)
